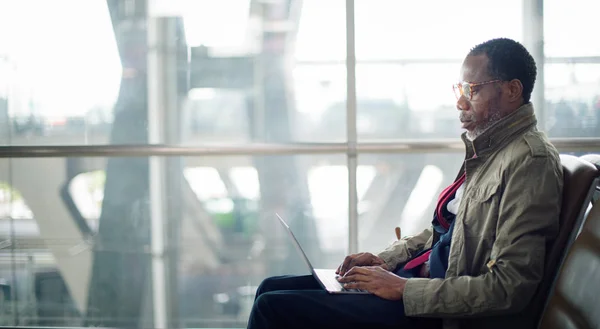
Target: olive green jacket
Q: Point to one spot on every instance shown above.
(508, 213)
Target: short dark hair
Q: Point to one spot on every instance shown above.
(509, 60)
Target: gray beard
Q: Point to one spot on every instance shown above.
(480, 129)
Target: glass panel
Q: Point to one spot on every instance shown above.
(402, 191)
(431, 29)
(81, 229)
(66, 95)
(322, 31)
(409, 56)
(231, 73)
(570, 27)
(572, 100)
(403, 101)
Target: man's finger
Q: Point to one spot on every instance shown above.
(344, 267)
(355, 278)
(357, 285)
(353, 260)
(360, 270)
(378, 268)
(353, 263)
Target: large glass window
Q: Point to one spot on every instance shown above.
(146, 146)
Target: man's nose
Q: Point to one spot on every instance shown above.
(462, 104)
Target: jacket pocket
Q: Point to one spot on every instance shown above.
(485, 192)
(481, 210)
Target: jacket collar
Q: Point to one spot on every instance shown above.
(501, 132)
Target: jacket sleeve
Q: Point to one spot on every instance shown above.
(405, 248)
(528, 218)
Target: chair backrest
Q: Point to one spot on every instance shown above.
(580, 180)
(574, 302)
(592, 158)
(595, 160)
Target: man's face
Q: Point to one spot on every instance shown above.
(483, 109)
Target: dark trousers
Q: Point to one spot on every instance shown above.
(288, 302)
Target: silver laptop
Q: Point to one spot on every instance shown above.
(327, 278)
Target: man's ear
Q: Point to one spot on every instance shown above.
(515, 90)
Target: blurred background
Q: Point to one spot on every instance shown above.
(95, 237)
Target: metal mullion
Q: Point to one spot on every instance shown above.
(159, 97)
(533, 39)
(351, 128)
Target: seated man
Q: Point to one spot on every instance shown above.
(484, 253)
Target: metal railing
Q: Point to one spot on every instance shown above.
(260, 149)
(412, 61)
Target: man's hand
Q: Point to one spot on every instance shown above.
(360, 259)
(375, 280)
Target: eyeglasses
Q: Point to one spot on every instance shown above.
(466, 88)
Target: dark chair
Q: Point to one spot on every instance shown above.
(595, 160)
(592, 158)
(580, 181)
(575, 300)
